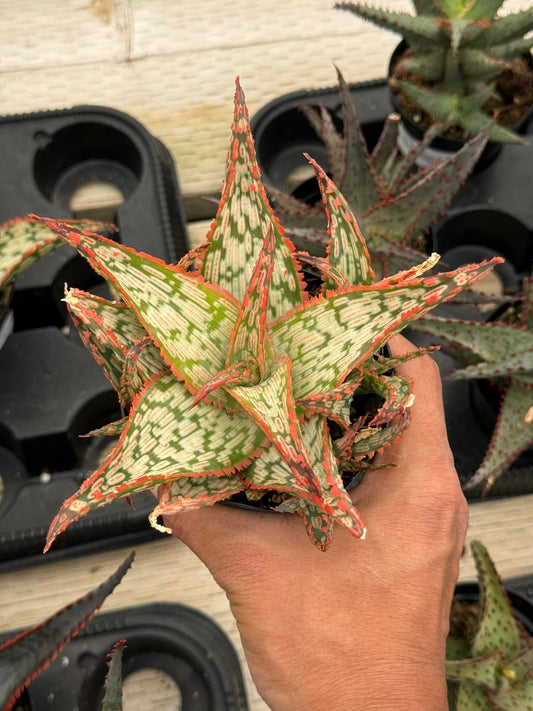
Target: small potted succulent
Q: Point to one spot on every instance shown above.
(498, 351)
(489, 650)
(237, 380)
(460, 63)
(26, 655)
(397, 202)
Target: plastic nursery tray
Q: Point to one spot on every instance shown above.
(183, 643)
(492, 215)
(51, 390)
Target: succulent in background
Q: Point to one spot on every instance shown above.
(459, 51)
(491, 667)
(396, 200)
(502, 352)
(238, 379)
(25, 656)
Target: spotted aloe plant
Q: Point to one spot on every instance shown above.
(396, 200)
(490, 663)
(500, 351)
(235, 377)
(26, 655)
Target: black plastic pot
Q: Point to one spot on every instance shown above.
(442, 146)
(51, 390)
(183, 643)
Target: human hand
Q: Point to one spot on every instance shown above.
(362, 626)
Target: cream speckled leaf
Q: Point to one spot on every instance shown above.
(369, 317)
(165, 438)
(117, 341)
(190, 321)
(347, 250)
(243, 219)
(271, 404)
(24, 240)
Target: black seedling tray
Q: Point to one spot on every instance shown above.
(492, 215)
(51, 390)
(182, 642)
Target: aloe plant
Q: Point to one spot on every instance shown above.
(458, 49)
(239, 380)
(501, 351)
(26, 655)
(396, 200)
(491, 667)
(113, 682)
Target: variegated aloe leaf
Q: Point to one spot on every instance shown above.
(347, 251)
(336, 403)
(243, 219)
(189, 320)
(270, 472)
(24, 240)
(192, 492)
(369, 317)
(25, 656)
(166, 438)
(117, 340)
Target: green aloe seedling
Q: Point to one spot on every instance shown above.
(235, 374)
(501, 351)
(458, 49)
(396, 200)
(25, 656)
(491, 668)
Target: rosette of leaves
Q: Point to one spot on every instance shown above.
(396, 200)
(502, 352)
(458, 50)
(25, 656)
(490, 662)
(233, 373)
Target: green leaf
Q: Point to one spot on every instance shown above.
(482, 671)
(334, 403)
(166, 438)
(113, 683)
(385, 147)
(25, 656)
(347, 251)
(471, 697)
(325, 129)
(243, 219)
(497, 629)
(369, 316)
(489, 341)
(512, 435)
(418, 31)
(359, 183)
(505, 29)
(518, 366)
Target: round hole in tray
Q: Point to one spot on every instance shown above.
(151, 688)
(495, 231)
(87, 157)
